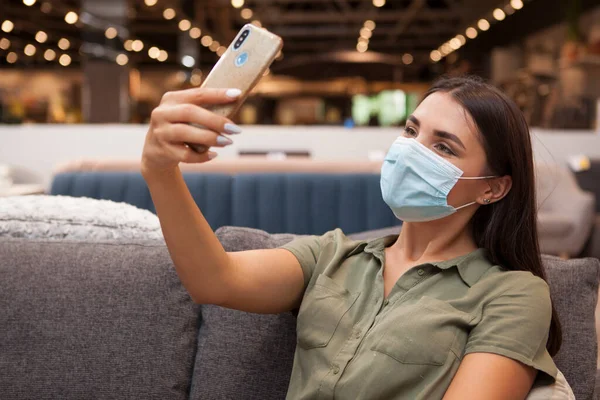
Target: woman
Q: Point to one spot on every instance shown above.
(455, 307)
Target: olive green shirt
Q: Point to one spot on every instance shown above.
(354, 344)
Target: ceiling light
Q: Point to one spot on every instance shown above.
(461, 39)
(407, 59)
(221, 50)
(471, 32)
(162, 57)
(366, 33)
(362, 47)
(46, 7)
(195, 33)
(149, 3)
(214, 45)
(184, 25)
(11, 57)
(257, 23)
(499, 14)
(122, 59)
(4, 44)
(7, 26)
(369, 24)
(516, 4)
(247, 13)
(111, 33)
(49, 55)
(64, 44)
(169, 13)
(71, 17)
(379, 3)
(206, 41)
(153, 52)
(29, 3)
(435, 56)
(65, 60)
(29, 50)
(41, 37)
(237, 3)
(483, 24)
(455, 44)
(188, 61)
(137, 45)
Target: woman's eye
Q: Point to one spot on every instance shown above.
(444, 149)
(410, 131)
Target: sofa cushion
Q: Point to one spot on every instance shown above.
(75, 218)
(93, 320)
(573, 285)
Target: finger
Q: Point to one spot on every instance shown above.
(184, 133)
(187, 155)
(202, 96)
(191, 114)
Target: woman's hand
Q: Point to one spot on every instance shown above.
(171, 128)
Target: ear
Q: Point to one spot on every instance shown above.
(497, 189)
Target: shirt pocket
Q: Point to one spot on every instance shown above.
(321, 312)
(423, 333)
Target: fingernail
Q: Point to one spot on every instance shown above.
(233, 93)
(232, 129)
(224, 141)
(211, 155)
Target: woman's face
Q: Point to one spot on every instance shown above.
(444, 126)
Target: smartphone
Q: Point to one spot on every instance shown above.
(242, 65)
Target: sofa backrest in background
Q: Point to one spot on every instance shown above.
(284, 203)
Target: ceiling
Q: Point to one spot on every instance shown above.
(320, 36)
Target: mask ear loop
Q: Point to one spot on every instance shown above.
(472, 178)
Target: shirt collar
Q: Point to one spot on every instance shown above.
(471, 266)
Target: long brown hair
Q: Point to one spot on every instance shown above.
(507, 229)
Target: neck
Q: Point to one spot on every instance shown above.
(435, 240)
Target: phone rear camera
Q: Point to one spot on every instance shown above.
(241, 39)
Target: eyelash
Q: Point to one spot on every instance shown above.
(440, 146)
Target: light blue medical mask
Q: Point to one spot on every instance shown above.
(415, 182)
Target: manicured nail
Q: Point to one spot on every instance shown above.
(232, 129)
(233, 93)
(211, 155)
(224, 141)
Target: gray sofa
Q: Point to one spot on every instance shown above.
(110, 320)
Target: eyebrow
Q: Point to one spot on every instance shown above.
(442, 134)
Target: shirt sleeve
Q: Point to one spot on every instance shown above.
(516, 324)
(306, 250)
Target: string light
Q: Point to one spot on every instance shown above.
(184, 25)
(11, 57)
(257, 23)
(366, 33)
(516, 4)
(483, 24)
(407, 59)
(111, 33)
(369, 24)
(499, 14)
(153, 52)
(64, 60)
(461, 39)
(71, 18)
(435, 56)
(41, 37)
(237, 3)
(137, 45)
(4, 44)
(471, 32)
(206, 41)
(46, 7)
(196, 78)
(362, 47)
(122, 59)
(195, 33)
(128, 45)
(247, 13)
(379, 3)
(162, 57)
(49, 55)
(214, 45)
(150, 3)
(363, 39)
(188, 61)
(30, 50)
(7, 26)
(64, 44)
(221, 50)
(29, 3)
(169, 14)
(455, 44)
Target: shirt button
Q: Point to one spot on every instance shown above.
(336, 369)
(421, 272)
